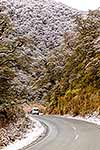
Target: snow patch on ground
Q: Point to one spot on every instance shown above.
(92, 119)
(31, 136)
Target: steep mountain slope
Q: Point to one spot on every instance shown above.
(58, 55)
(44, 22)
(49, 53)
(78, 90)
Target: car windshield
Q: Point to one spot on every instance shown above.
(35, 109)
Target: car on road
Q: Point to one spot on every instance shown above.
(35, 111)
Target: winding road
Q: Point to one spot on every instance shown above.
(68, 134)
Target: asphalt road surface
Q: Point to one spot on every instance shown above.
(68, 134)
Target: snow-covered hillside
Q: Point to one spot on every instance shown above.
(44, 20)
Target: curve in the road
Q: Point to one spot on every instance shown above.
(68, 134)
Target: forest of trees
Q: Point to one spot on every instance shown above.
(78, 89)
(9, 45)
(70, 75)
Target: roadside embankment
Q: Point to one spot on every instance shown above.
(27, 135)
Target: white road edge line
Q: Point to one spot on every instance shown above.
(76, 137)
(74, 128)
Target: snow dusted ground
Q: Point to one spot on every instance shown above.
(29, 137)
(92, 119)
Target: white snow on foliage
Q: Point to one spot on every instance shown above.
(45, 21)
(31, 136)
